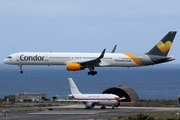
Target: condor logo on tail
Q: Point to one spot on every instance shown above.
(164, 47)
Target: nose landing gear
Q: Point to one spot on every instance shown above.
(21, 71)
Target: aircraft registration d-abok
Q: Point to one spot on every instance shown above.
(80, 61)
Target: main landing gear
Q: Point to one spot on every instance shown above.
(103, 107)
(92, 72)
(21, 71)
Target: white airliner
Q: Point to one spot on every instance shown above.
(80, 61)
(90, 100)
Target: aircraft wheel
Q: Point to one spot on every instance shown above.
(92, 73)
(89, 73)
(103, 107)
(21, 71)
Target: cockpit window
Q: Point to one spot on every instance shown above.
(9, 57)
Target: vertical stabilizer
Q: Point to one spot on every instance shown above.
(73, 87)
(163, 46)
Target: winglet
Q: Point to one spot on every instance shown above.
(114, 49)
(102, 54)
(73, 87)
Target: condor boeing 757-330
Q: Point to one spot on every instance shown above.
(80, 61)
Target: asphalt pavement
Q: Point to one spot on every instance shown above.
(77, 112)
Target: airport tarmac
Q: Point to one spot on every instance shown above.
(77, 112)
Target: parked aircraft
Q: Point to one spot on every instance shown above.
(91, 100)
(80, 61)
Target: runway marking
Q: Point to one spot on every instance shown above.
(69, 112)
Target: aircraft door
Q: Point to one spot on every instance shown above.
(46, 58)
(146, 59)
(18, 58)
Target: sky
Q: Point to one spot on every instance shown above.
(87, 25)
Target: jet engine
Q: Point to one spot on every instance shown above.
(116, 105)
(70, 97)
(89, 105)
(74, 67)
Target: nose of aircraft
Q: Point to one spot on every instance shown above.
(118, 99)
(5, 61)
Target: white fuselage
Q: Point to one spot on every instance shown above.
(48, 58)
(98, 99)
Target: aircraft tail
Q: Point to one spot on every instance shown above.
(73, 87)
(163, 46)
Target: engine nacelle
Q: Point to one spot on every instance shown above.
(74, 66)
(70, 97)
(89, 105)
(117, 105)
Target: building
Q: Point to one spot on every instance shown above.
(123, 91)
(30, 97)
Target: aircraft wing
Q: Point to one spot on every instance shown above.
(114, 49)
(90, 64)
(82, 101)
(94, 62)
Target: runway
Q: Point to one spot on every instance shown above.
(72, 112)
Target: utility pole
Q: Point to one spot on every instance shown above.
(6, 113)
